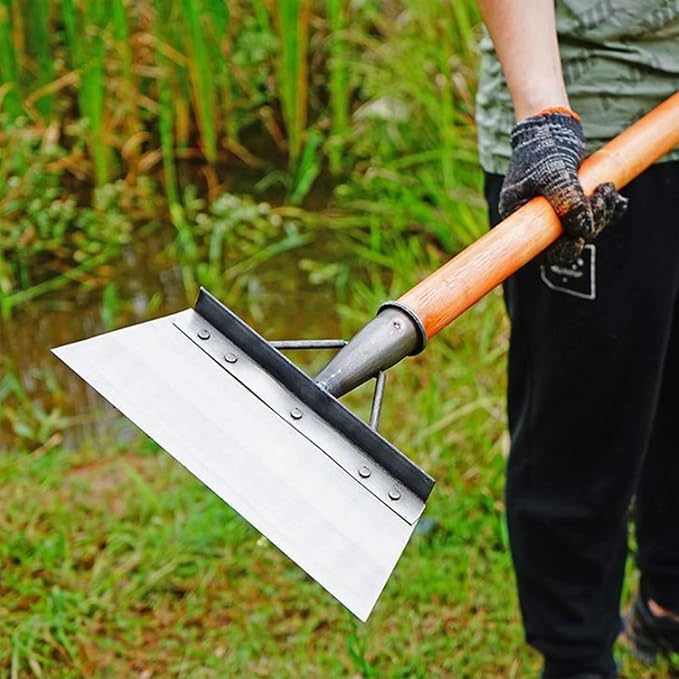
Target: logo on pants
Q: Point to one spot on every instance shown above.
(577, 279)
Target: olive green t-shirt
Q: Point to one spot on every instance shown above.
(620, 59)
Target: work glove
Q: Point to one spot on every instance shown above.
(547, 150)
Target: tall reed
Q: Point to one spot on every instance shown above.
(168, 84)
(465, 18)
(37, 29)
(293, 29)
(338, 81)
(201, 71)
(129, 84)
(194, 75)
(84, 32)
(165, 106)
(71, 39)
(436, 20)
(217, 31)
(9, 72)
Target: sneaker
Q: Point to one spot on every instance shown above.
(649, 635)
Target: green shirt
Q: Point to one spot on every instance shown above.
(620, 59)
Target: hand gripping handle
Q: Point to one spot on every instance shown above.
(445, 294)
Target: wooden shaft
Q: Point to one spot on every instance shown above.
(441, 297)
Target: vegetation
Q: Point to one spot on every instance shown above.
(175, 99)
(320, 152)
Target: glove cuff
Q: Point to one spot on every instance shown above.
(563, 110)
(551, 120)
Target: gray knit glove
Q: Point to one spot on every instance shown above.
(547, 150)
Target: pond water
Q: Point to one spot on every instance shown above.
(145, 283)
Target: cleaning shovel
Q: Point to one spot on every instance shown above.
(277, 445)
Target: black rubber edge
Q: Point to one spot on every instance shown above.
(321, 402)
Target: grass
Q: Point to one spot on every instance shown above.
(202, 80)
(11, 98)
(132, 98)
(116, 561)
(234, 71)
(96, 61)
(193, 138)
(119, 561)
(90, 62)
(293, 33)
(338, 75)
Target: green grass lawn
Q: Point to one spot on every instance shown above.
(115, 562)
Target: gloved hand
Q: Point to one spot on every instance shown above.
(547, 150)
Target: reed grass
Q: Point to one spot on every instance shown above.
(201, 71)
(338, 82)
(228, 75)
(378, 95)
(166, 109)
(9, 71)
(37, 28)
(128, 80)
(118, 563)
(293, 30)
(217, 27)
(167, 125)
(71, 38)
(465, 20)
(91, 95)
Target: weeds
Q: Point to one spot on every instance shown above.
(10, 92)
(117, 561)
(26, 415)
(293, 30)
(159, 84)
(200, 69)
(188, 116)
(210, 63)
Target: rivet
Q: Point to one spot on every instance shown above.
(364, 472)
(397, 325)
(230, 357)
(394, 494)
(296, 414)
(203, 334)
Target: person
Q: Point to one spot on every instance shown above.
(593, 390)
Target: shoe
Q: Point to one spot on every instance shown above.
(650, 636)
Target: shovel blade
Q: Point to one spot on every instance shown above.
(284, 480)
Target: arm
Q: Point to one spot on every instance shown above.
(548, 144)
(524, 35)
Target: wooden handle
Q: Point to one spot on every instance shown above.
(441, 297)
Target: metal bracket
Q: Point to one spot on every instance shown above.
(368, 458)
(380, 379)
(378, 398)
(287, 376)
(284, 345)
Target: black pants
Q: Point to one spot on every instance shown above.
(594, 418)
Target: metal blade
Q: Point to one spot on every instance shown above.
(288, 482)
